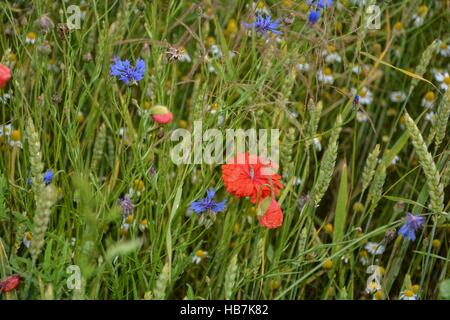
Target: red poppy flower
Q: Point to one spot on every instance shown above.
(250, 176)
(10, 283)
(273, 217)
(5, 75)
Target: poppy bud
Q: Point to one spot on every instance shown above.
(10, 283)
(161, 114)
(5, 75)
(273, 217)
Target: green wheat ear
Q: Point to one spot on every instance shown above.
(436, 189)
(423, 64)
(230, 278)
(161, 284)
(327, 165)
(46, 198)
(369, 168)
(314, 111)
(440, 125)
(99, 147)
(37, 167)
(376, 188)
(445, 174)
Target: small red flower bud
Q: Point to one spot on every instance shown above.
(163, 118)
(161, 114)
(10, 283)
(5, 75)
(273, 217)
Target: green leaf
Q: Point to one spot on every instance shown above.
(122, 248)
(341, 210)
(395, 150)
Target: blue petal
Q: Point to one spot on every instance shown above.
(48, 176)
(210, 193)
(313, 16)
(407, 232)
(197, 206)
(220, 206)
(140, 65)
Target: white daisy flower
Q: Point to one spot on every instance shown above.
(27, 239)
(373, 283)
(365, 95)
(5, 97)
(397, 96)
(17, 144)
(419, 16)
(125, 226)
(373, 286)
(5, 130)
(361, 116)
(408, 295)
(137, 189)
(260, 7)
(215, 51)
(363, 258)
(444, 79)
(331, 55)
(374, 248)
(14, 139)
(428, 100)
(30, 38)
(302, 65)
(127, 222)
(143, 225)
(325, 76)
(358, 69)
(199, 256)
(430, 116)
(443, 49)
(418, 20)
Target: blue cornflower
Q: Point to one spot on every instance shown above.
(264, 24)
(126, 73)
(208, 204)
(313, 16)
(408, 230)
(48, 176)
(322, 4)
